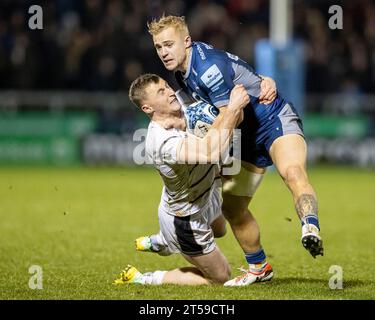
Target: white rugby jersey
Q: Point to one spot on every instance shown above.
(187, 187)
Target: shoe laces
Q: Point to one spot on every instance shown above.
(244, 273)
(242, 269)
(248, 270)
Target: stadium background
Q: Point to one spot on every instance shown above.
(68, 180)
(75, 73)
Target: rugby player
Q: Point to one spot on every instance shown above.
(190, 207)
(270, 134)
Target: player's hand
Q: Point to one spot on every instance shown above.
(268, 90)
(239, 98)
(174, 123)
(168, 124)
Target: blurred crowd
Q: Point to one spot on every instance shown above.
(104, 45)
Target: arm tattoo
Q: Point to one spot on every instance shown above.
(306, 204)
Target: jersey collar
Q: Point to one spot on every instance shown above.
(187, 73)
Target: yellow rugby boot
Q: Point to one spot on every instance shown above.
(130, 275)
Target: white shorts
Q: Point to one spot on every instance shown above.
(191, 235)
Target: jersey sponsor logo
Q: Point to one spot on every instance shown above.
(217, 86)
(212, 76)
(201, 53)
(207, 46)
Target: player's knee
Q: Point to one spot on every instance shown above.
(221, 277)
(295, 175)
(220, 232)
(237, 217)
(234, 210)
(219, 226)
(218, 271)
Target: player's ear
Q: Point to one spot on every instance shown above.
(146, 108)
(187, 41)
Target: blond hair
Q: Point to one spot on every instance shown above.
(137, 90)
(158, 25)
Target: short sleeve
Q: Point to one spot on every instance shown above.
(168, 149)
(162, 144)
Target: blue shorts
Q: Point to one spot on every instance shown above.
(255, 144)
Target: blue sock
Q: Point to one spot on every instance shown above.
(256, 257)
(311, 219)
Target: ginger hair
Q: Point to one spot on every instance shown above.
(158, 25)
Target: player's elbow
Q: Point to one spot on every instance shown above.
(208, 152)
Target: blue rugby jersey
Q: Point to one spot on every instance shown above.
(212, 74)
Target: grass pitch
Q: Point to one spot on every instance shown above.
(79, 225)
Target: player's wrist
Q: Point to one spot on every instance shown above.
(234, 106)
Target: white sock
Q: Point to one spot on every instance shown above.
(154, 278)
(159, 245)
(158, 277)
(309, 228)
(156, 242)
(257, 267)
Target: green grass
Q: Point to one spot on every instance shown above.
(79, 225)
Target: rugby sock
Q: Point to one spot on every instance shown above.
(154, 278)
(256, 260)
(310, 219)
(157, 277)
(257, 267)
(156, 243)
